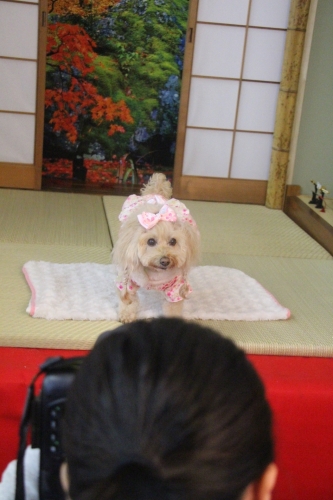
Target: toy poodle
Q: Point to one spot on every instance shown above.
(157, 245)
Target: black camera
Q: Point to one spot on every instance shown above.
(42, 417)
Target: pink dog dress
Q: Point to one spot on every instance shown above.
(171, 288)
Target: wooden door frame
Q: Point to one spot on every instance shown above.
(26, 175)
(224, 189)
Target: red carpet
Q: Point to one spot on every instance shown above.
(300, 391)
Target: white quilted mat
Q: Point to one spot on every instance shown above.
(87, 291)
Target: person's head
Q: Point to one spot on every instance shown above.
(167, 410)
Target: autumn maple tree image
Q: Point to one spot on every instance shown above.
(113, 82)
(82, 8)
(75, 101)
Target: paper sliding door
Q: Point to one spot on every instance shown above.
(22, 70)
(232, 73)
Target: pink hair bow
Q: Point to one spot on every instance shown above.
(149, 220)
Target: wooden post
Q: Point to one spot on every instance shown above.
(298, 16)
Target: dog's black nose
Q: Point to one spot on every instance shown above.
(164, 261)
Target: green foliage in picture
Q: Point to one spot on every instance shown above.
(113, 80)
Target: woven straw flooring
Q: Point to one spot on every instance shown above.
(263, 243)
(47, 218)
(232, 229)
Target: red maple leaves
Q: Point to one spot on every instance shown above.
(70, 51)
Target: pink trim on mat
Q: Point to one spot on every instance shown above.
(32, 303)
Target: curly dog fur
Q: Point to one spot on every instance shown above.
(157, 245)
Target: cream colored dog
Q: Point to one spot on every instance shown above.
(158, 243)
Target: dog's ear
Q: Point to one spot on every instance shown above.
(193, 241)
(125, 251)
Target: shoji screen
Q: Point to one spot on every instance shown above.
(19, 36)
(235, 74)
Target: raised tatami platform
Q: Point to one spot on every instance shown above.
(263, 243)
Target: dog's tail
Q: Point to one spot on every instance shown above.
(158, 184)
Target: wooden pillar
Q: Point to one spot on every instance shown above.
(298, 16)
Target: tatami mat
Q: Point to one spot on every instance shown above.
(305, 286)
(112, 207)
(52, 218)
(233, 229)
(265, 244)
(307, 332)
(17, 328)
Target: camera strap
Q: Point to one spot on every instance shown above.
(55, 364)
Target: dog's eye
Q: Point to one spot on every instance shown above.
(151, 242)
(172, 242)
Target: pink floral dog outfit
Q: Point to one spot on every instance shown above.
(171, 288)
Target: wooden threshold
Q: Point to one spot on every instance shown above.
(223, 190)
(19, 176)
(310, 222)
(72, 186)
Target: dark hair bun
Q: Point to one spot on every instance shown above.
(135, 481)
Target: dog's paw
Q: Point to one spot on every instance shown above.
(173, 309)
(127, 318)
(127, 312)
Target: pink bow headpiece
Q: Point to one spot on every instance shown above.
(149, 220)
(171, 210)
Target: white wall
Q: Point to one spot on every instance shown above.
(314, 149)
